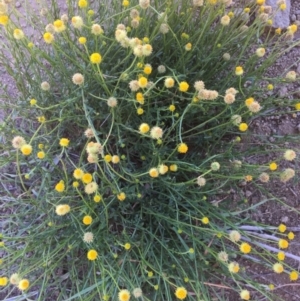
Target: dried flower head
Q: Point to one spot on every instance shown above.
(289, 155)
(77, 22)
(164, 28)
(91, 188)
(223, 256)
(88, 237)
(62, 209)
(234, 236)
(156, 132)
(225, 20)
(15, 279)
(287, 174)
(45, 86)
(78, 79)
(229, 98)
(201, 181)
(264, 177)
(236, 119)
(137, 292)
(96, 29)
(18, 34)
(144, 3)
(18, 142)
(260, 52)
(199, 85)
(198, 3)
(89, 133)
(112, 102)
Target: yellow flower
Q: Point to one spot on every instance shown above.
(62, 209)
(125, 3)
(239, 70)
(3, 281)
(270, 87)
(147, 69)
(23, 284)
(278, 31)
(60, 186)
(172, 108)
(281, 256)
(82, 3)
(188, 47)
(281, 228)
(260, 2)
(92, 255)
(282, 6)
(78, 173)
(115, 159)
(59, 26)
(205, 220)
(75, 184)
(153, 172)
(245, 295)
(291, 235)
(48, 37)
(294, 275)
(26, 149)
(173, 167)
(273, 166)
(121, 196)
(292, 28)
(41, 119)
(233, 267)
(95, 58)
(140, 98)
(107, 158)
(82, 40)
(245, 248)
(182, 148)
(18, 34)
(150, 274)
(97, 198)
(33, 102)
(41, 155)
(64, 142)
(181, 293)
(243, 127)
(143, 81)
(4, 20)
(278, 268)
(297, 106)
(183, 86)
(124, 295)
(87, 219)
(140, 111)
(144, 128)
(283, 244)
(87, 178)
(127, 246)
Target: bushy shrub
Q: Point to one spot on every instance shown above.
(125, 149)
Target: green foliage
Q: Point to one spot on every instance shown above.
(162, 164)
